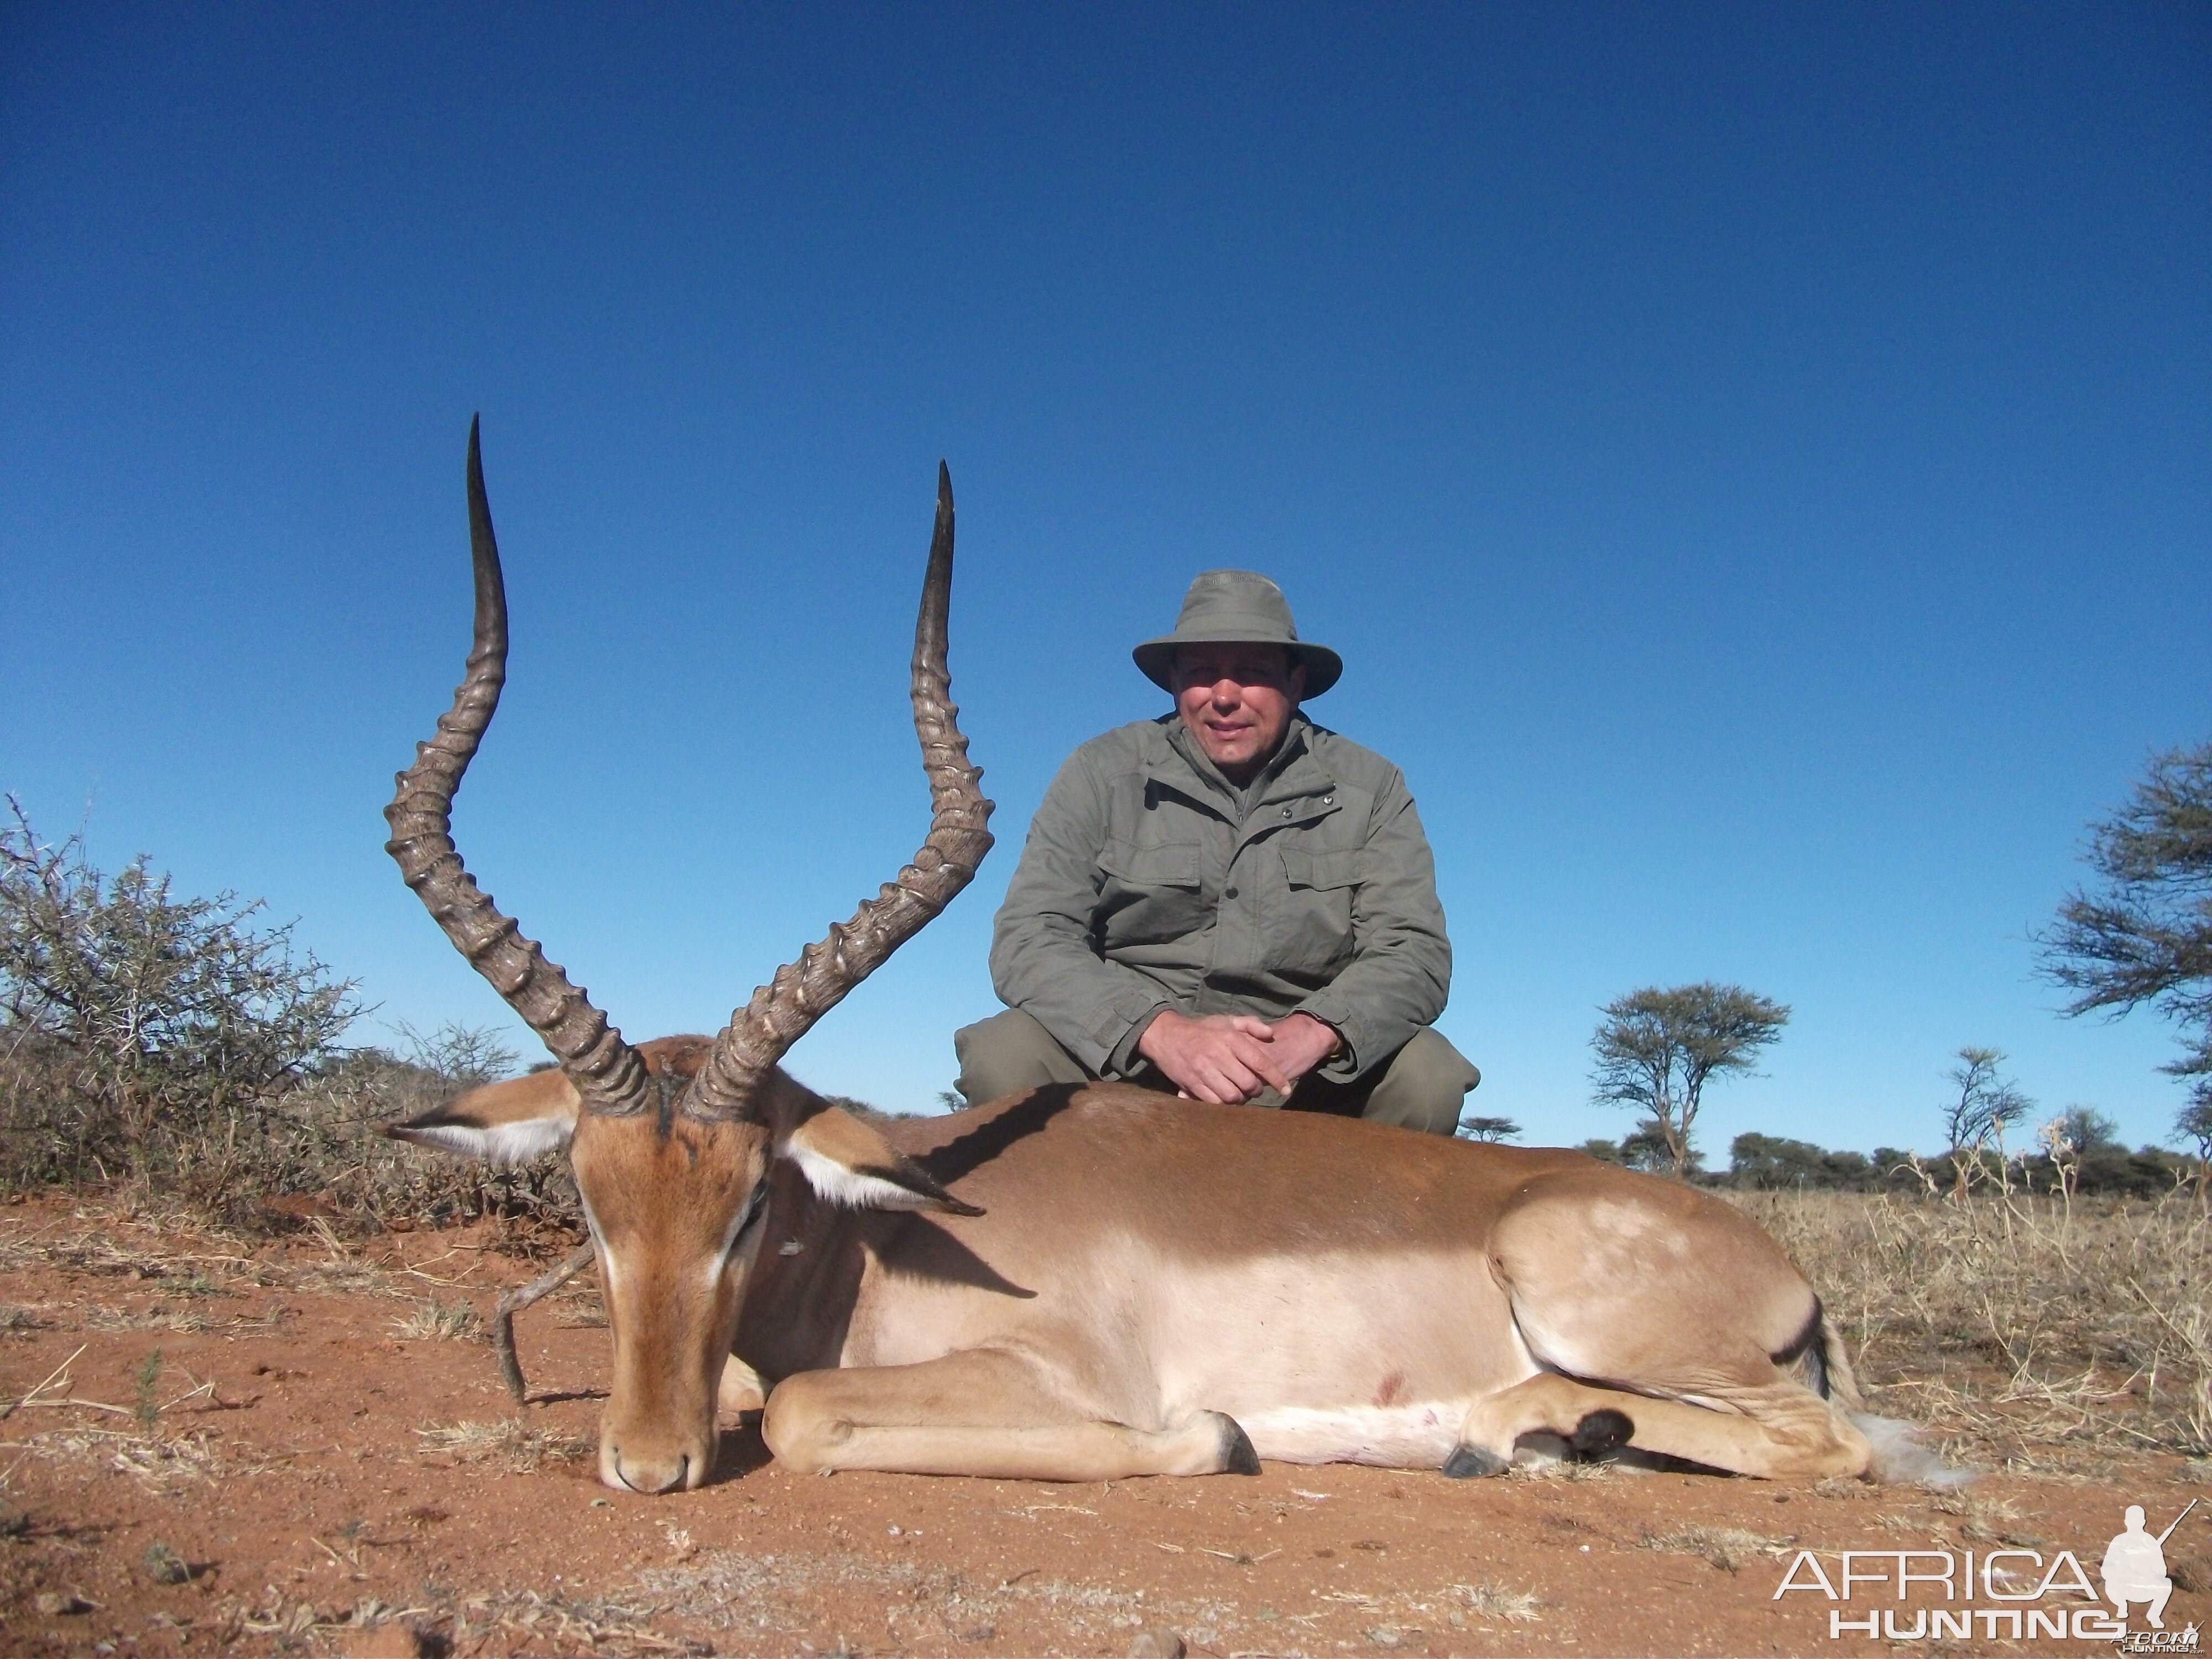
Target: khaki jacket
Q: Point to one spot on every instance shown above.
(1147, 884)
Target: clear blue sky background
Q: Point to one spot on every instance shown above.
(1754, 459)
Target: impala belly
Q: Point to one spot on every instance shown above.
(1322, 1357)
(1332, 1357)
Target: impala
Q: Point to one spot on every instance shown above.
(1088, 1284)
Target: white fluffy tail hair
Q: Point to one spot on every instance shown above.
(1899, 1458)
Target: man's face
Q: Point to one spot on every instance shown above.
(1237, 700)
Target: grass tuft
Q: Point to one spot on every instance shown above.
(507, 1440)
(1727, 1548)
(1490, 1601)
(431, 1321)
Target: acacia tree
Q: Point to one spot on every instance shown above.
(1657, 1050)
(1490, 1131)
(2195, 1124)
(1987, 1104)
(2145, 936)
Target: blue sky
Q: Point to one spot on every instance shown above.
(1752, 459)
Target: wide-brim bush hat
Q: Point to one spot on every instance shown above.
(1237, 607)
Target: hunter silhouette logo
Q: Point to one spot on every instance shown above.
(2134, 1568)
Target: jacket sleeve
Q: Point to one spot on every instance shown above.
(1042, 957)
(1399, 974)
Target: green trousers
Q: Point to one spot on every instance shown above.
(1419, 1087)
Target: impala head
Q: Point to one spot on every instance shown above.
(672, 1142)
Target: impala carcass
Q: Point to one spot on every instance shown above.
(1087, 1283)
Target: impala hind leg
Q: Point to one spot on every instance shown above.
(741, 1389)
(993, 1414)
(1779, 1432)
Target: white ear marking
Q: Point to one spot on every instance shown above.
(833, 1182)
(503, 1145)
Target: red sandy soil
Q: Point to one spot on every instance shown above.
(274, 1487)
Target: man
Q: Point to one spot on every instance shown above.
(1228, 901)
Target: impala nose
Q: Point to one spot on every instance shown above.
(650, 1475)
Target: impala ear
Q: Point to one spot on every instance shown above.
(847, 1161)
(503, 1123)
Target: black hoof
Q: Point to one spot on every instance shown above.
(1599, 1432)
(1237, 1456)
(1468, 1461)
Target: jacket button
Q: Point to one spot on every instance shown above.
(1286, 811)
(1229, 893)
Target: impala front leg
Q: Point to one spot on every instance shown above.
(981, 1413)
(1780, 1431)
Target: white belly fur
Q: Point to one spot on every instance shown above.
(1392, 1436)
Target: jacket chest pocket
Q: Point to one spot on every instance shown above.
(1313, 936)
(1150, 895)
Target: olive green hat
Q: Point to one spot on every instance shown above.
(1237, 607)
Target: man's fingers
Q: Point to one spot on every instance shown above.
(1251, 1027)
(1264, 1066)
(1236, 1082)
(1196, 1076)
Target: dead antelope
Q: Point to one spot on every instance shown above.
(1088, 1284)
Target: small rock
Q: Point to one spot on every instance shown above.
(165, 1566)
(1386, 1636)
(1157, 1644)
(981, 1633)
(392, 1640)
(54, 1605)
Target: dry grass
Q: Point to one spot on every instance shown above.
(519, 1621)
(1489, 1602)
(433, 1321)
(508, 1441)
(1986, 1519)
(2025, 1332)
(310, 1154)
(161, 1460)
(1726, 1549)
(99, 1316)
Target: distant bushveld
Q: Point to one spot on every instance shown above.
(1774, 1164)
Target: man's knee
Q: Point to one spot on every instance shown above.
(1423, 1086)
(1008, 1053)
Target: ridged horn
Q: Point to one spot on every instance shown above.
(781, 1012)
(606, 1070)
